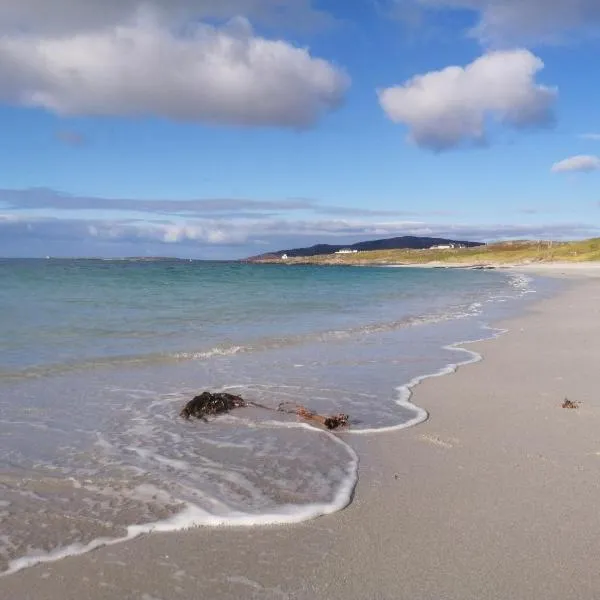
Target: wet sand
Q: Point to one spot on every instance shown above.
(495, 496)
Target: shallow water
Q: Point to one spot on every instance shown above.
(98, 357)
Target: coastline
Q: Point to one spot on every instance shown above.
(564, 270)
(548, 268)
(494, 496)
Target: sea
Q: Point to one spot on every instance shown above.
(98, 357)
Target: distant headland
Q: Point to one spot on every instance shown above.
(396, 243)
(438, 252)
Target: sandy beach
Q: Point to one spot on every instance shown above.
(495, 496)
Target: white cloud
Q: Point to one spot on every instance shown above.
(207, 233)
(581, 163)
(142, 67)
(590, 136)
(447, 107)
(509, 22)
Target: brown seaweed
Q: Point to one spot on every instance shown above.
(331, 421)
(208, 404)
(570, 403)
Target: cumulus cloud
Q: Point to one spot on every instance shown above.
(444, 108)
(509, 22)
(582, 163)
(211, 74)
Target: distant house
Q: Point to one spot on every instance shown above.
(443, 247)
(346, 251)
(284, 257)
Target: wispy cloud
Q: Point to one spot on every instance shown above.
(38, 198)
(531, 211)
(509, 23)
(20, 234)
(590, 136)
(582, 164)
(48, 222)
(41, 198)
(71, 137)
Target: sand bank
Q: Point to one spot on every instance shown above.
(569, 270)
(564, 270)
(496, 496)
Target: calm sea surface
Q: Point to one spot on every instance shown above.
(98, 357)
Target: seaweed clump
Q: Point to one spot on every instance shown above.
(208, 404)
(570, 403)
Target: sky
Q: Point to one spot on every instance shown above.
(221, 129)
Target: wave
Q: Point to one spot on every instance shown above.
(193, 515)
(405, 392)
(223, 350)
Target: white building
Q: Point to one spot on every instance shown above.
(346, 251)
(284, 257)
(443, 247)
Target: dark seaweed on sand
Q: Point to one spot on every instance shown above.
(207, 404)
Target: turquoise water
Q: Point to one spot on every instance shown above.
(97, 358)
(59, 314)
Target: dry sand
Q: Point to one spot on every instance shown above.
(496, 496)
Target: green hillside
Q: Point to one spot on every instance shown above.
(504, 253)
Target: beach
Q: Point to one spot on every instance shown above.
(494, 496)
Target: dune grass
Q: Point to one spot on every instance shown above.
(503, 253)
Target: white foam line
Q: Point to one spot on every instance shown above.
(194, 516)
(405, 391)
(217, 351)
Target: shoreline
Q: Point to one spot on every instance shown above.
(193, 517)
(547, 268)
(385, 487)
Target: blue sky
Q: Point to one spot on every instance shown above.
(227, 128)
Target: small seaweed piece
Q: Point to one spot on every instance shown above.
(331, 421)
(335, 421)
(570, 403)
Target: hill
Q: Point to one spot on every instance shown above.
(517, 252)
(396, 243)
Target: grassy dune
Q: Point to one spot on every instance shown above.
(505, 253)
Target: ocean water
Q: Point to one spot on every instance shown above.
(97, 358)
